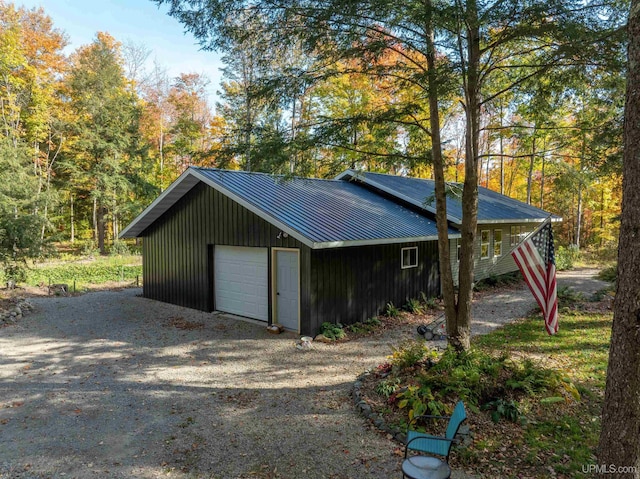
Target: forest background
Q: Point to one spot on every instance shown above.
(90, 138)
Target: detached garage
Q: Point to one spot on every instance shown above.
(291, 251)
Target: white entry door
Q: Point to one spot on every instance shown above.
(287, 284)
(240, 278)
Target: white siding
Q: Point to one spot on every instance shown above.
(492, 266)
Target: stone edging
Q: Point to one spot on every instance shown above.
(464, 436)
(365, 409)
(15, 312)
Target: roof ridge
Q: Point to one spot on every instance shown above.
(262, 173)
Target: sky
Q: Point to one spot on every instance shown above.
(141, 21)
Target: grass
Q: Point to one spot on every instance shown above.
(557, 437)
(563, 436)
(580, 348)
(87, 272)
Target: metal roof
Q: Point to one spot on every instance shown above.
(319, 213)
(492, 206)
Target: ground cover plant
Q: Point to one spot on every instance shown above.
(534, 401)
(87, 272)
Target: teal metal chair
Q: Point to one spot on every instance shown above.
(436, 445)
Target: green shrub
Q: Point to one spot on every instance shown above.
(372, 322)
(119, 248)
(387, 387)
(568, 297)
(609, 274)
(503, 409)
(478, 377)
(89, 249)
(391, 311)
(603, 293)
(409, 353)
(332, 331)
(567, 257)
(15, 272)
(496, 280)
(419, 400)
(429, 303)
(99, 271)
(365, 326)
(413, 306)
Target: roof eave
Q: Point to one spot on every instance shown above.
(554, 219)
(183, 182)
(379, 241)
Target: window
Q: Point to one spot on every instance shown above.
(484, 243)
(518, 234)
(497, 243)
(458, 250)
(409, 257)
(516, 231)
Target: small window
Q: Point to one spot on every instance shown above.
(516, 234)
(458, 250)
(410, 257)
(484, 244)
(497, 243)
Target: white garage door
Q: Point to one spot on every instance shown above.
(240, 277)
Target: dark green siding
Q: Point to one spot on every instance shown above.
(337, 285)
(353, 284)
(178, 251)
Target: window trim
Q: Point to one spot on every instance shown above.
(487, 243)
(495, 242)
(516, 231)
(408, 248)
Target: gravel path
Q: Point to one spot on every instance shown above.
(492, 310)
(111, 385)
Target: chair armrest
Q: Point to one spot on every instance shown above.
(422, 437)
(428, 436)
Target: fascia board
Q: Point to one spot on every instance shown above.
(184, 178)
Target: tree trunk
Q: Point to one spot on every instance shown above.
(459, 332)
(601, 216)
(501, 154)
(73, 226)
(95, 219)
(544, 149)
(101, 228)
(161, 152)
(620, 434)
(446, 275)
(488, 162)
(580, 188)
(530, 172)
(579, 215)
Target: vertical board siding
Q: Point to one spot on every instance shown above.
(177, 248)
(352, 284)
(337, 285)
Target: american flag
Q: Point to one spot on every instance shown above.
(535, 257)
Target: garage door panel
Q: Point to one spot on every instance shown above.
(240, 277)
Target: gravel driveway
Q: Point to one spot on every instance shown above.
(113, 385)
(106, 385)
